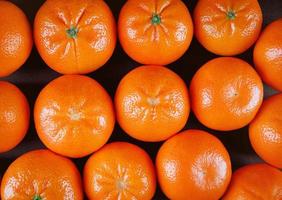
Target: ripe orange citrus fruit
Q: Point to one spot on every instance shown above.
(74, 115)
(155, 32)
(226, 93)
(15, 38)
(14, 116)
(255, 181)
(120, 170)
(193, 164)
(227, 27)
(41, 174)
(268, 55)
(75, 36)
(152, 103)
(265, 131)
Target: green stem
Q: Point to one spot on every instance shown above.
(37, 197)
(231, 15)
(156, 19)
(72, 32)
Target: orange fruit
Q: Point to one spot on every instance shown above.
(226, 93)
(14, 116)
(227, 27)
(15, 38)
(268, 55)
(265, 131)
(74, 115)
(120, 170)
(155, 32)
(41, 174)
(152, 103)
(75, 36)
(255, 181)
(193, 164)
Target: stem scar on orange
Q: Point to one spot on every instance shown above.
(193, 164)
(15, 38)
(268, 55)
(227, 27)
(152, 103)
(75, 36)
(14, 116)
(155, 31)
(74, 115)
(226, 93)
(39, 175)
(120, 170)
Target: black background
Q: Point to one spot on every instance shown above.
(35, 74)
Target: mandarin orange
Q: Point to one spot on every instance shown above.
(74, 115)
(39, 175)
(268, 55)
(75, 36)
(120, 170)
(15, 38)
(226, 93)
(152, 103)
(193, 164)
(14, 116)
(255, 181)
(265, 131)
(227, 27)
(155, 31)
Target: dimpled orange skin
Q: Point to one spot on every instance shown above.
(226, 93)
(15, 38)
(193, 164)
(74, 115)
(120, 170)
(155, 31)
(14, 116)
(255, 181)
(41, 174)
(152, 103)
(268, 55)
(227, 27)
(265, 131)
(75, 36)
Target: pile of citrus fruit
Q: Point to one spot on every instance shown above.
(74, 116)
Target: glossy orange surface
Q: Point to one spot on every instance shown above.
(74, 115)
(14, 116)
(75, 36)
(193, 164)
(255, 181)
(227, 27)
(40, 175)
(155, 31)
(226, 93)
(15, 38)
(152, 103)
(265, 131)
(268, 55)
(121, 171)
